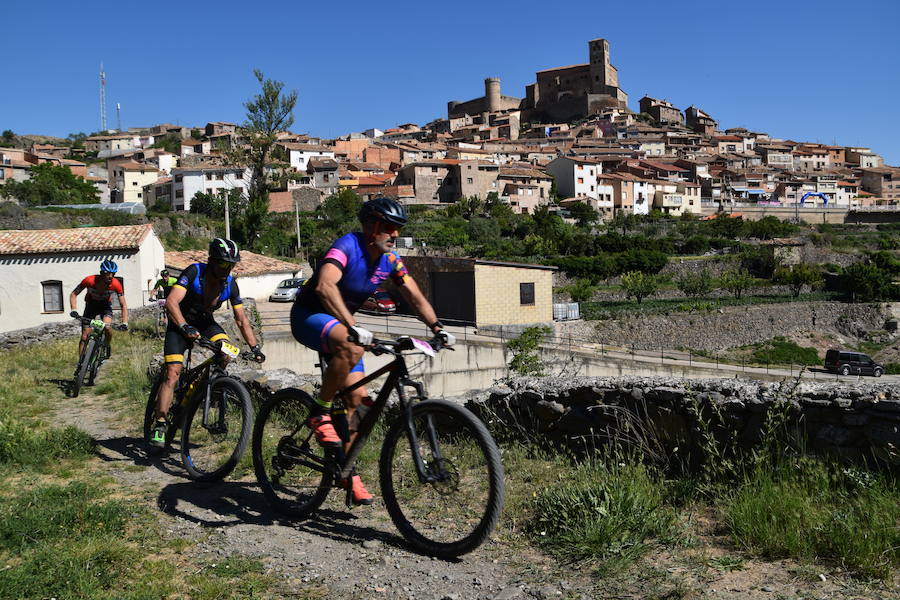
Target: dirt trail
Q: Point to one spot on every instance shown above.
(352, 554)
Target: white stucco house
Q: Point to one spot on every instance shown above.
(300, 154)
(576, 177)
(257, 275)
(40, 268)
(187, 181)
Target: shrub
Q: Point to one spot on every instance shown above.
(867, 283)
(695, 284)
(781, 351)
(24, 446)
(526, 359)
(798, 276)
(736, 282)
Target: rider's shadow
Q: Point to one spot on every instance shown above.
(134, 450)
(65, 385)
(216, 504)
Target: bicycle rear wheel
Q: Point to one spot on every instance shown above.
(94, 364)
(294, 472)
(212, 451)
(84, 364)
(456, 511)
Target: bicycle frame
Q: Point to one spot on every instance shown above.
(398, 379)
(207, 371)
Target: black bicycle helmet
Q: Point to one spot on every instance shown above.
(383, 209)
(222, 249)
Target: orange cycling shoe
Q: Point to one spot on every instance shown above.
(324, 431)
(358, 491)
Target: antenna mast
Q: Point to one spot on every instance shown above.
(102, 99)
(119, 116)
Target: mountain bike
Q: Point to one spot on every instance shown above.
(96, 350)
(439, 469)
(213, 411)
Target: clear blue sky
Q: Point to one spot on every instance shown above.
(816, 70)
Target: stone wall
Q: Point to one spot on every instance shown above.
(21, 338)
(730, 326)
(667, 415)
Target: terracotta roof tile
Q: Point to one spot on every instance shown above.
(82, 239)
(251, 263)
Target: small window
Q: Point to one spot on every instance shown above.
(526, 294)
(209, 176)
(53, 297)
(220, 176)
(434, 169)
(179, 193)
(178, 178)
(239, 175)
(140, 195)
(468, 180)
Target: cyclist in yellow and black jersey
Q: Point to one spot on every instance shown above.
(200, 290)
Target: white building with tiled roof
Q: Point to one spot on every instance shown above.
(257, 275)
(39, 268)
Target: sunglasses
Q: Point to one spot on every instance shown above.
(224, 265)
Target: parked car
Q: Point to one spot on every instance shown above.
(379, 303)
(852, 363)
(287, 290)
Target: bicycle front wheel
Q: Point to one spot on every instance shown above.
(294, 472)
(455, 509)
(84, 365)
(210, 450)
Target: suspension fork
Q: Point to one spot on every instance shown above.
(425, 475)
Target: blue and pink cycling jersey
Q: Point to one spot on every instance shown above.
(310, 324)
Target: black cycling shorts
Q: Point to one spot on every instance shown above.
(97, 309)
(176, 344)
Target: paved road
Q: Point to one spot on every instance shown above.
(275, 318)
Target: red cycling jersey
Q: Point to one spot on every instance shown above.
(97, 290)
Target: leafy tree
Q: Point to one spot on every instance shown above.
(339, 210)
(268, 112)
(770, 227)
(645, 261)
(797, 276)
(866, 282)
(76, 140)
(639, 285)
(583, 213)
(7, 138)
(169, 142)
(695, 244)
(695, 284)
(736, 282)
(50, 184)
(581, 291)
(213, 205)
(526, 359)
(759, 260)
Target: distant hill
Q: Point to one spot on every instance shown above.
(28, 140)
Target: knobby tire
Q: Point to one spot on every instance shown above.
(280, 433)
(83, 366)
(455, 515)
(207, 453)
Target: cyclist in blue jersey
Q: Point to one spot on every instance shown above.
(200, 290)
(322, 315)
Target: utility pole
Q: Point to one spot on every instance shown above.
(227, 219)
(297, 222)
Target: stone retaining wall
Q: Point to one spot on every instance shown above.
(661, 414)
(731, 326)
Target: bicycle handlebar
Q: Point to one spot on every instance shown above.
(85, 322)
(378, 347)
(216, 347)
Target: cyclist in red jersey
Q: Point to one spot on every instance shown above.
(98, 300)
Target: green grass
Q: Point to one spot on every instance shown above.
(780, 351)
(605, 514)
(808, 509)
(22, 446)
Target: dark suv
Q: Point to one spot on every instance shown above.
(851, 363)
